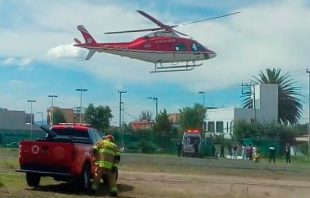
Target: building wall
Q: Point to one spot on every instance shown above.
(70, 115)
(268, 99)
(16, 120)
(220, 121)
(174, 117)
(266, 111)
(136, 125)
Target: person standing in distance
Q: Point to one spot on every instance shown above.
(272, 154)
(288, 153)
(179, 148)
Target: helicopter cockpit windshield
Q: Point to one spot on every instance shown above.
(197, 46)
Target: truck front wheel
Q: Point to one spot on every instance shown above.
(33, 179)
(84, 180)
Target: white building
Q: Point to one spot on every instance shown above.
(265, 101)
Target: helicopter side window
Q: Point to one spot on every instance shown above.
(180, 47)
(194, 47)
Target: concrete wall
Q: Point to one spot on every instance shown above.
(268, 99)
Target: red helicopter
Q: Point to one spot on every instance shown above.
(162, 46)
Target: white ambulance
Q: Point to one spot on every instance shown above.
(191, 143)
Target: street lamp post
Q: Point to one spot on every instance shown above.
(81, 90)
(120, 112)
(155, 99)
(41, 117)
(31, 120)
(52, 112)
(203, 105)
(203, 97)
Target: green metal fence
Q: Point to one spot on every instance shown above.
(12, 135)
(263, 145)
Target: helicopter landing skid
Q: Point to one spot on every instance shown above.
(175, 68)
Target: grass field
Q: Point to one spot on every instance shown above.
(169, 176)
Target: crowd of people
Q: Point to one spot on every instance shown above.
(250, 152)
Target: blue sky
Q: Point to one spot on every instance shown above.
(37, 57)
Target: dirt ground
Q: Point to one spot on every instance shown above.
(151, 185)
(150, 176)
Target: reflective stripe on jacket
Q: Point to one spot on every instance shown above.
(106, 153)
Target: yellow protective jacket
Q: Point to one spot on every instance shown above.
(105, 152)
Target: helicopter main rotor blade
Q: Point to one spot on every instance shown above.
(178, 32)
(221, 16)
(166, 27)
(130, 31)
(160, 24)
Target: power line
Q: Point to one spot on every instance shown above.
(130, 115)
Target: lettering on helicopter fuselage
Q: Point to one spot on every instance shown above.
(166, 41)
(120, 47)
(147, 45)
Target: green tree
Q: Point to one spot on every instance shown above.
(163, 124)
(145, 115)
(289, 105)
(192, 117)
(58, 117)
(98, 117)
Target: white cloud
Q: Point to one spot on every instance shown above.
(9, 61)
(14, 83)
(23, 62)
(66, 51)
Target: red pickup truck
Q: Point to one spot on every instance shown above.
(65, 153)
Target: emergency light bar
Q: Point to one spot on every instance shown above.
(192, 130)
(79, 124)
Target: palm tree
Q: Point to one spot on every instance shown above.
(289, 106)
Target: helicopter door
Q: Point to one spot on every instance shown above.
(184, 52)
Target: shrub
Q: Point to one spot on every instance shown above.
(146, 146)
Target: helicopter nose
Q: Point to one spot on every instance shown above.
(210, 54)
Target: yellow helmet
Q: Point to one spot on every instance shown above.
(109, 137)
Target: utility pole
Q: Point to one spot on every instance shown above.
(203, 105)
(123, 107)
(120, 113)
(155, 99)
(308, 71)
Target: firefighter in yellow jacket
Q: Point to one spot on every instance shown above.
(106, 156)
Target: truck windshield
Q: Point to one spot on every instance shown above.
(71, 132)
(191, 140)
